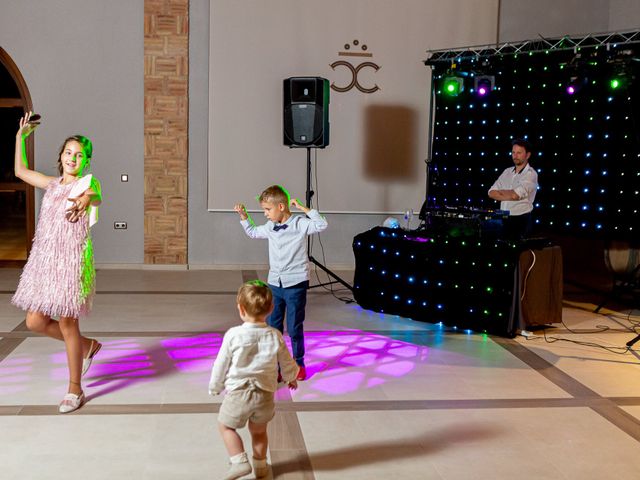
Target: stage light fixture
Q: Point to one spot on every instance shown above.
(453, 86)
(483, 84)
(575, 84)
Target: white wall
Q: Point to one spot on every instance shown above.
(624, 15)
(375, 162)
(526, 20)
(83, 63)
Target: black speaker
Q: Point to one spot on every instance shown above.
(306, 112)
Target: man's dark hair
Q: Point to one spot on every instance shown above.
(521, 142)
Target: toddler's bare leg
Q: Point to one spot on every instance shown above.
(231, 439)
(259, 440)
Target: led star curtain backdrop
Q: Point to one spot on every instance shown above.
(372, 52)
(578, 107)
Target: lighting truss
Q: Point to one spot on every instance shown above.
(542, 44)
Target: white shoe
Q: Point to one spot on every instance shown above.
(71, 402)
(86, 361)
(238, 470)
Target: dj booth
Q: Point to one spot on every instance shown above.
(459, 271)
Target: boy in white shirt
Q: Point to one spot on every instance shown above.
(247, 366)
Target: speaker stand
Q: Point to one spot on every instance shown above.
(326, 270)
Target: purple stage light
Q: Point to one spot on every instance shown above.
(571, 89)
(482, 91)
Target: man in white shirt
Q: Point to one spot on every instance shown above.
(516, 190)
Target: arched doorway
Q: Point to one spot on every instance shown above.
(16, 197)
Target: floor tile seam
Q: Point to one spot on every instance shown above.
(604, 407)
(8, 343)
(618, 417)
(320, 407)
(163, 333)
(545, 368)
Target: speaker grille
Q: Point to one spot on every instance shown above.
(303, 123)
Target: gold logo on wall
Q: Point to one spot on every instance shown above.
(355, 70)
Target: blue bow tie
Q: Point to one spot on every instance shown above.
(279, 227)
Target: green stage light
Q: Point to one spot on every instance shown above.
(453, 86)
(615, 83)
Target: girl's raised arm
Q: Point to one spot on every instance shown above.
(21, 164)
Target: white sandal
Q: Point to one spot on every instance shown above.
(71, 402)
(86, 361)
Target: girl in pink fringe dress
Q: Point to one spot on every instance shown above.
(59, 278)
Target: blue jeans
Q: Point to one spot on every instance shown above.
(294, 300)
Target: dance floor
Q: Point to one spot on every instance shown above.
(386, 397)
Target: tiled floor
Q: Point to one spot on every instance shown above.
(387, 397)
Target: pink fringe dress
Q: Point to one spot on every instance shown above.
(59, 277)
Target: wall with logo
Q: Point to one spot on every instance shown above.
(372, 53)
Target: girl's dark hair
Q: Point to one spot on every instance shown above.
(87, 147)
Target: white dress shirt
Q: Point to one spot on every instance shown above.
(288, 258)
(524, 183)
(251, 352)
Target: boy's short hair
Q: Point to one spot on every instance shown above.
(255, 297)
(275, 194)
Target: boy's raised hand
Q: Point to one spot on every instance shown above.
(296, 203)
(293, 385)
(242, 211)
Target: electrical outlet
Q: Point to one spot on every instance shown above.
(120, 225)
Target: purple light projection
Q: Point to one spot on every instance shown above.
(15, 374)
(338, 363)
(342, 362)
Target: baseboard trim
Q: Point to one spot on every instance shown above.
(193, 266)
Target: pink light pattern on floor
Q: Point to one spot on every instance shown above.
(338, 362)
